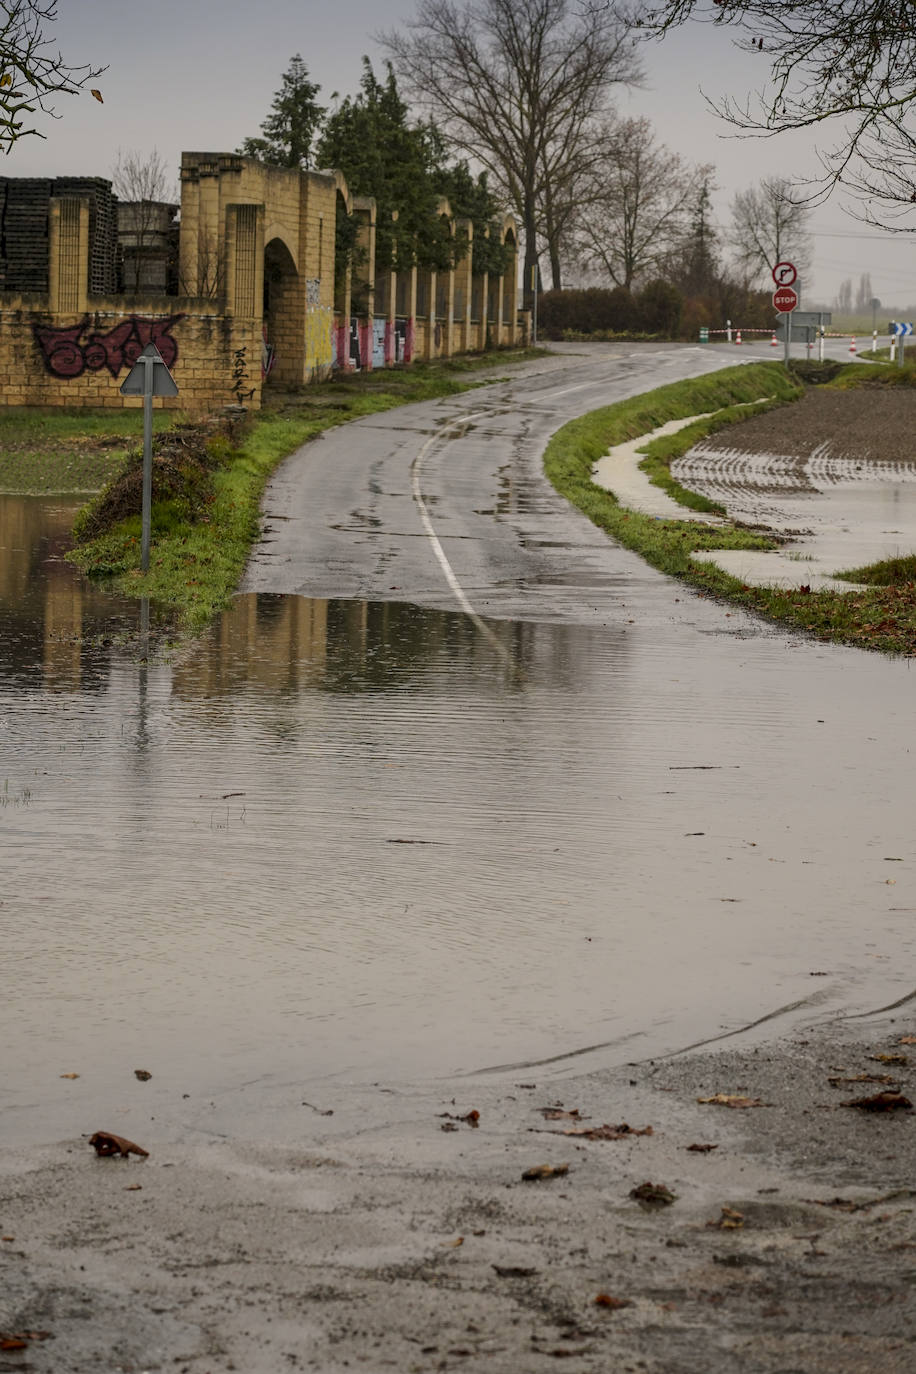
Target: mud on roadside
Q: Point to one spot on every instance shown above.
(395, 1233)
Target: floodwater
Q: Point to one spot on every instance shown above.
(358, 841)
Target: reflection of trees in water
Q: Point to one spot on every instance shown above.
(290, 643)
(48, 611)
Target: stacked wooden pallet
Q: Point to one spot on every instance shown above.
(24, 214)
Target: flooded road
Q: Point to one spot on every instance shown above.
(372, 839)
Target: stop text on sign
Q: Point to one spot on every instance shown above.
(785, 299)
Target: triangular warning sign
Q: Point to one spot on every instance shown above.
(162, 381)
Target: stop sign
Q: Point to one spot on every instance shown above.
(785, 299)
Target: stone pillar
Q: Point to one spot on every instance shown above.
(68, 256)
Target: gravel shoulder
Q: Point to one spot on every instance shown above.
(388, 1235)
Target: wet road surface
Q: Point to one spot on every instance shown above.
(363, 834)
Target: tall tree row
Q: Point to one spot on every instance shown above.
(517, 86)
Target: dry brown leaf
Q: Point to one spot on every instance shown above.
(558, 1114)
(134, 1188)
(144, 1075)
(605, 1300)
(453, 1244)
(546, 1171)
(727, 1100)
(96, 95)
(900, 1059)
(653, 1195)
(907, 1040)
(106, 1143)
(69, 1075)
(881, 1102)
(730, 1220)
(514, 1271)
(701, 1149)
(605, 1132)
(472, 1118)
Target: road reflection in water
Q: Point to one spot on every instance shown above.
(364, 839)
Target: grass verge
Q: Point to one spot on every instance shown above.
(207, 491)
(882, 617)
(59, 450)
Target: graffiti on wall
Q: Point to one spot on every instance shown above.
(240, 376)
(72, 351)
(319, 341)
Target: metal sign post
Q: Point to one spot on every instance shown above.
(148, 377)
(901, 331)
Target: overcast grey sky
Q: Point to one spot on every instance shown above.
(200, 74)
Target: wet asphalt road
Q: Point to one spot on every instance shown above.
(455, 784)
(445, 504)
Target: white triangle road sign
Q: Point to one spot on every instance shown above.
(161, 382)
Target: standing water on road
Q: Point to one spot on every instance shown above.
(367, 840)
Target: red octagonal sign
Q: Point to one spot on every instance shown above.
(785, 299)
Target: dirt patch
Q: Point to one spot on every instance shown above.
(380, 1241)
(867, 423)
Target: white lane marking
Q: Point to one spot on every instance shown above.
(433, 538)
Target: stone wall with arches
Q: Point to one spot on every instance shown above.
(260, 303)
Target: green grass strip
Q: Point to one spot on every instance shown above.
(197, 556)
(883, 617)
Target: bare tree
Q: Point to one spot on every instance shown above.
(516, 84)
(633, 204)
(770, 225)
(147, 194)
(32, 72)
(852, 62)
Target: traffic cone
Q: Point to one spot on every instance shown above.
(774, 342)
(852, 346)
(738, 337)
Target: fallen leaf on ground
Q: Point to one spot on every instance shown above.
(546, 1171)
(69, 1075)
(653, 1195)
(605, 1300)
(106, 1143)
(701, 1149)
(558, 1114)
(605, 1132)
(730, 1220)
(907, 1040)
(134, 1188)
(472, 1118)
(514, 1271)
(727, 1100)
(881, 1102)
(19, 1340)
(900, 1059)
(144, 1075)
(448, 1126)
(453, 1244)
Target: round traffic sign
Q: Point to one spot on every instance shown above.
(785, 299)
(784, 274)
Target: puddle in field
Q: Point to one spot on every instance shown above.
(365, 840)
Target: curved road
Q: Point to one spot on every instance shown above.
(445, 504)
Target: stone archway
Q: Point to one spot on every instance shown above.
(283, 354)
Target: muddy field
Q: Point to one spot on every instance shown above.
(877, 424)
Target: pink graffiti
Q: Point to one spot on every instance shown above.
(67, 353)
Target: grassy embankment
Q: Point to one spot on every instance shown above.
(883, 617)
(64, 450)
(207, 485)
